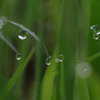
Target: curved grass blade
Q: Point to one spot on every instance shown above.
(30, 32)
(15, 76)
(4, 37)
(92, 57)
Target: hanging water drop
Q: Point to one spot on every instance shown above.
(48, 60)
(61, 57)
(22, 34)
(95, 29)
(18, 56)
(1, 24)
(96, 36)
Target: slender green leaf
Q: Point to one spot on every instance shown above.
(67, 46)
(92, 57)
(15, 76)
(11, 95)
(48, 79)
(7, 40)
(82, 89)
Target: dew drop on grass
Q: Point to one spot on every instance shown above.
(22, 34)
(95, 28)
(1, 24)
(83, 70)
(57, 60)
(61, 58)
(48, 60)
(96, 36)
(18, 56)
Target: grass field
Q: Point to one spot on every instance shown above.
(49, 50)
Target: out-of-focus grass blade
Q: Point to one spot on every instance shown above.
(48, 79)
(54, 94)
(93, 83)
(7, 40)
(11, 95)
(82, 88)
(92, 57)
(62, 82)
(15, 76)
(67, 45)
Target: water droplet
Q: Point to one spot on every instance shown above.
(95, 28)
(18, 56)
(96, 36)
(1, 24)
(22, 34)
(83, 70)
(48, 60)
(57, 60)
(61, 58)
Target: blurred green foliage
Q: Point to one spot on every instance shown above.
(62, 25)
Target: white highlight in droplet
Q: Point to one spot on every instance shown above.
(1, 24)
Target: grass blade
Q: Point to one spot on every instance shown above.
(7, 40)
(92, 57)
(15, 76)
(48, 79)
(67, 46)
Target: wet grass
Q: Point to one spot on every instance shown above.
(60, 27)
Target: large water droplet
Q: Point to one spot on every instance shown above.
(18, 56)
(83, 70)
(96, 36)
(61, 58)
(1, 24)
(48, 60)
(95, 28)
(22, 34)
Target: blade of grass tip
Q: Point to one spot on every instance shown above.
(67, 46)
(15, 76)
(4, 37)
(90, 59)
(82, 86)
(48, 79)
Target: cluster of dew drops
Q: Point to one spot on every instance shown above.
(96, 32)
(59, 59)
(23, 35)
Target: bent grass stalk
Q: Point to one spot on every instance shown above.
(4, 37)
(30, 32)
(15, 76)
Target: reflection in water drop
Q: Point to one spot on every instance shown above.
(96, 36)
(22, 34)
(83, 70)
(95, 28)
(48, 60)
(57, 60)
(1, 24)
(18, 56)
(61, 57)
